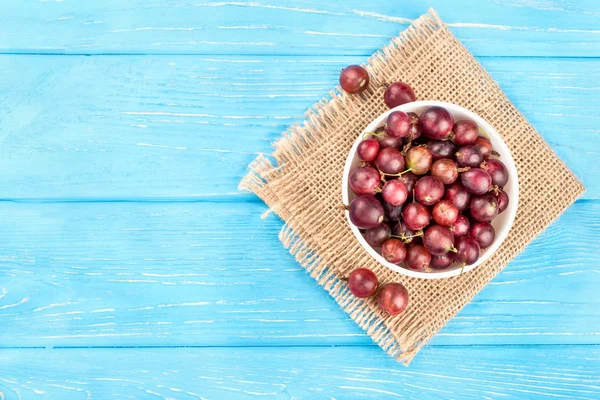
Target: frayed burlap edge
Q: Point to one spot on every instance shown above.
(302, 183)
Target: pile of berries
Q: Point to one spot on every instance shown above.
(427, 189)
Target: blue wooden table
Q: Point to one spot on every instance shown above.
(132, 267)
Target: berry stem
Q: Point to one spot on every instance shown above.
(495, 153)
(403, 237)
(465, 169)
(407, 146)
(398, 174)
(367, 134)
(495, 189)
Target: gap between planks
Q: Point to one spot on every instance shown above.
(234, 197)
(249, 55)
(275, 346)
(238, 197)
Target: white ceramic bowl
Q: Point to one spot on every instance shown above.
(501, 223)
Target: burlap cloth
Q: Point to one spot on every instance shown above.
(303, 184)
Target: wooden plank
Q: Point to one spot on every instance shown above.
(148, 127)
(516, 27)
(215, 274)
(506, 372)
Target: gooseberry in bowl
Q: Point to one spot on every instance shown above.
(437, 206)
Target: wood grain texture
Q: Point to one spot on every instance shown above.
(184, 258)
(489, 27)
(175, 126)
(539, 372)
(215, 274)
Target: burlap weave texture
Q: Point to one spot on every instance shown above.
(302, 182)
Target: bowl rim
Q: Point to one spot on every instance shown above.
(506, 159)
